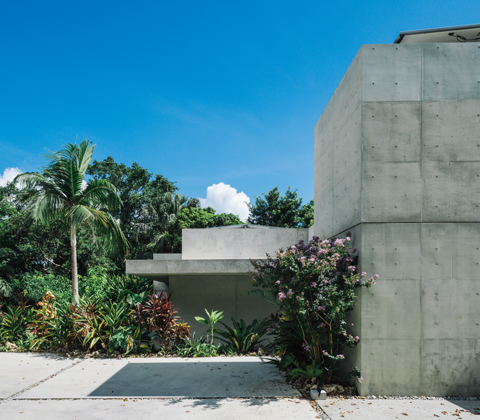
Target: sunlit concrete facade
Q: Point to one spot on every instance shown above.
(397, 162)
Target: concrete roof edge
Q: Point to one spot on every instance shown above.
(187, 267)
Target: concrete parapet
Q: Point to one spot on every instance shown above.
(238, 242)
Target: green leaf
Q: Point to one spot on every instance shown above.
(201, 320)
(268, 295)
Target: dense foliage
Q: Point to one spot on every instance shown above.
(140, 192)
(152, 216)
(314, 285)
(61, 193)
(114, 314)
(287, 211)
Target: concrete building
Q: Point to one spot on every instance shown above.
(397, 162)
(212, 270)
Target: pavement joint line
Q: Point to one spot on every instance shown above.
(41, 381)
(314, 404)
(319, 409)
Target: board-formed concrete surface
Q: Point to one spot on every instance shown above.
(224, 377)
(21, 370)
(355, 409)
(397, 163)
(238, 242)
(192, 294)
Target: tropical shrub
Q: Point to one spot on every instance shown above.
(213, 318)
(87, 325)
(96, 285)
(242, 338)
(115, 313)
(200, 347)
(158, 315)
(34, 285)
(314, 285)
(14, 323)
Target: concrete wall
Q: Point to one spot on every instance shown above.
(237, 243)
(192, 294)
(337, 154)
(404, 124)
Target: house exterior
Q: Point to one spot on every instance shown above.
(397, 163)
(212, 270)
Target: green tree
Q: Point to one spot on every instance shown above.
(62, 192)
(273, 209)
(159, 225)
(138, 189)
(306, 214)
(201, 218)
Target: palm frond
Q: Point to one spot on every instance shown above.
(79, 214)
(45, 199)
(101, 193)
(85, 154)
(113, 238)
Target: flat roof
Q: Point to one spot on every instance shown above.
(154, 269)
(464, 33)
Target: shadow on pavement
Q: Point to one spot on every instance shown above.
(195, 380)
(217, 403)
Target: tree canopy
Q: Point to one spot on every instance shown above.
(273, 209)
(62, 193)
(152, 217)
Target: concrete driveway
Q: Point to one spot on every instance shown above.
(39, 386)
(42, 386)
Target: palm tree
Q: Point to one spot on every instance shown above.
(160, 219)
(62, 191)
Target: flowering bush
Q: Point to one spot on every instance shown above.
(314, 286)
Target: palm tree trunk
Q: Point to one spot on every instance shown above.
(73, 241)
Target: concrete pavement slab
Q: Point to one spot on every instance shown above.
(21, 370)
(413, 409)
(167, 377)
(184, 409)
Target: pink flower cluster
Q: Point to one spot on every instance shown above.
(371, 280)
(306, 347)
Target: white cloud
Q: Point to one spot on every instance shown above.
(225, 199)
(8, 175)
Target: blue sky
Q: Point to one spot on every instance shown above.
(200, 92)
